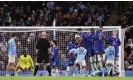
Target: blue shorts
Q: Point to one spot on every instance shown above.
(99, 49)
(55, 63)
(90, 52)
(71, 62)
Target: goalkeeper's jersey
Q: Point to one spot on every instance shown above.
(26, 60)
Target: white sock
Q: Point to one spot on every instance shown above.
(76, 71)
(83, 71)
(109, 69)
(100, 61)
(92, 67)
(53, 72)
(7, 73)
(68, 71)
(57, 72)
(15, 73)
(95, 65)
(91, 61)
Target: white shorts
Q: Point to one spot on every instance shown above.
(81, 63)
(11, 58)
(109, 62)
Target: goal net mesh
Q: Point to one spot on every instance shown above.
(27, 38)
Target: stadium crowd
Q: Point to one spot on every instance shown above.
(128, 48)
(66, 13)
(127, 18)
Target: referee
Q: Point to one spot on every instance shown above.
(42, 51)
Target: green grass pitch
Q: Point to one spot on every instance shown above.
(63, 78)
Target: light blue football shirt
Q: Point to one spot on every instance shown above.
(72, 51)
(81, 53)
(11, 47)
(110, 53)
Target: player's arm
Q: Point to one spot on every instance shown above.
(90, 38)
(68, 48)
(80, 39)
(105, 36)
(37, 47)
(13, 47)
(71, 52)
(36, 51)
(55, 53)
(49, 49)
(67, 52)
(109, 39)
(31, 61)
(119, 42)
(75, 53)
(19, 62)
(96, 35)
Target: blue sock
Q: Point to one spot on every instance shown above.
(15, 72)
(103, 71)
(12, 72)
(76, 70)
(83, 71)
(110, 68)
(7, 72)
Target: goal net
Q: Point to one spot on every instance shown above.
(28, 36)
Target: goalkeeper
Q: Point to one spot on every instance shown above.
(25, 62)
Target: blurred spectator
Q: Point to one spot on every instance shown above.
(124, 21)
(130, 43)
(50, 5)
(128, 54)
(43, 14)
(127, 19)
(130, 60)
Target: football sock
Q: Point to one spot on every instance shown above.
(36, 69)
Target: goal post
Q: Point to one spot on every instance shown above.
(62, 35)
